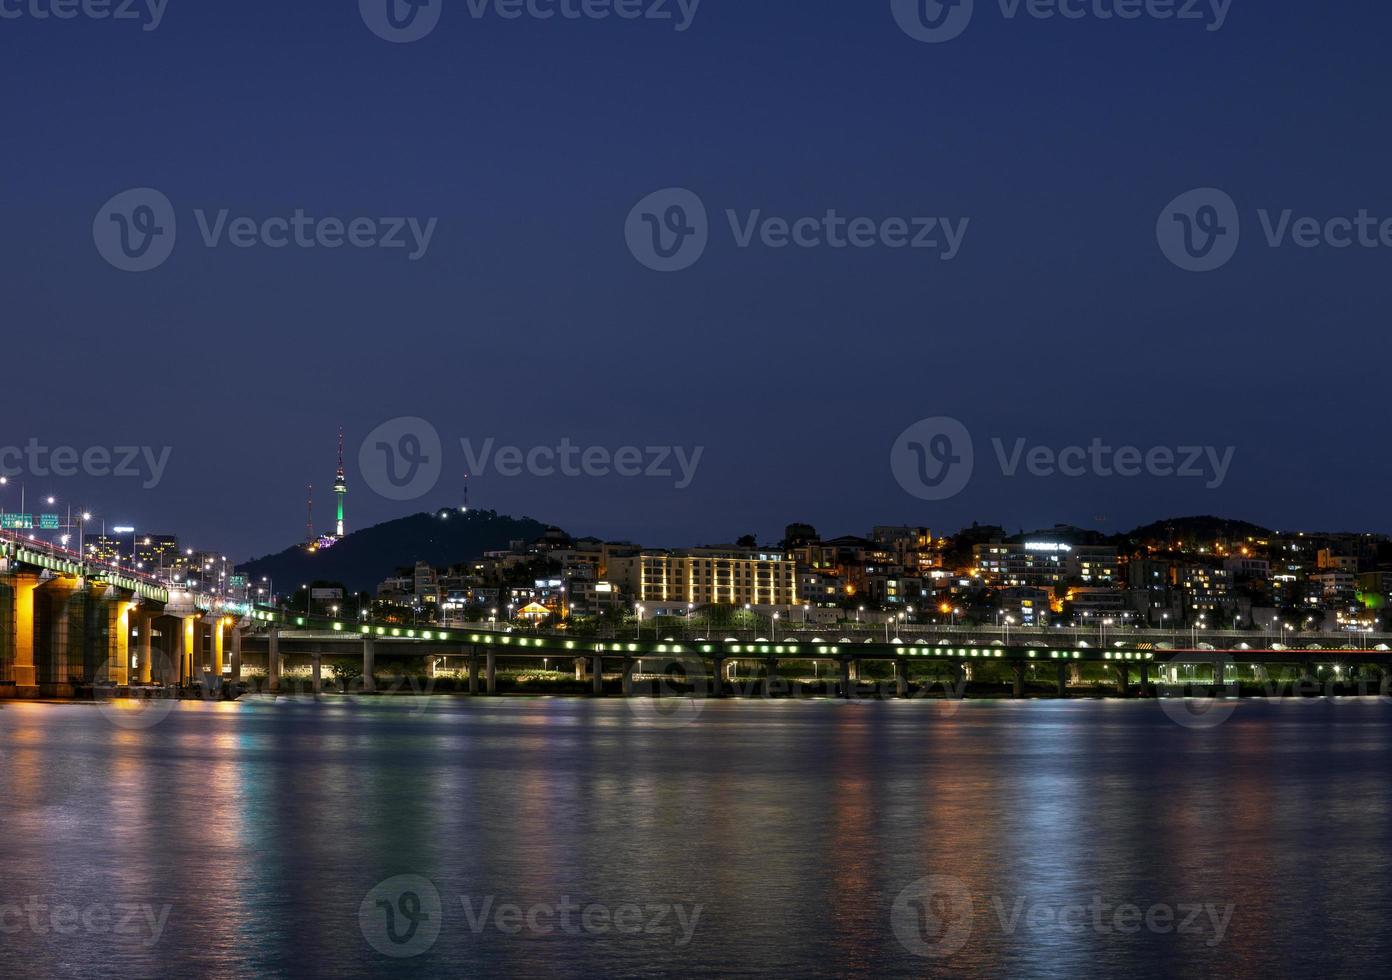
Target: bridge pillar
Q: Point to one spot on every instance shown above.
(901, 677)
(846, 677)
(491, 673)
(1017, 671)
(145, 647)
(273, 660)
(772, 682)
(188, 633)
(597, 675)
(1307, 673)
(717, 689)
(369, 666)
(473, 671)
(218, 648)
(317, 673)
(629, 666)
(1145, 679)
(959, 680)
(119, 642)
(236, 656)
(1123, 674)
(1220, 679)
(25, 669)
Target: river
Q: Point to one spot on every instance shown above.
(448, 837)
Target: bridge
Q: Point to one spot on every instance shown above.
(1135, 668)
(67, 623)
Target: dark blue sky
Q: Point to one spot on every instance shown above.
(528, 320)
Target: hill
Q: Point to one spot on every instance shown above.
(364, 558)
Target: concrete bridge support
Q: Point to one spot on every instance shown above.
(1017, 675)
(901, 678)
(1062, 680)
(959, 680)
(597, 675)
(1145, 679)
(273, 661)
(117, 623)
(145, 647)
(217, 648)
(25, 668)
(473, 672)
(235, 661)
(1123, 675)
(717, 687)
(629, 666)
(1307, 673)
(369, 667)
(491, 673)
(317, 673)
(773, 684)
(846, 665)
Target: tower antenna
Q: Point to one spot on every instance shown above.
(309, 521)
(340, 487)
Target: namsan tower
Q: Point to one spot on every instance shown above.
(340, 487)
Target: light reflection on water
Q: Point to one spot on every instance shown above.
(262, 827)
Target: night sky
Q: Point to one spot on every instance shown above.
(527, 320)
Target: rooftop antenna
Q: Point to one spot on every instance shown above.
(309, 521)
(465, 508)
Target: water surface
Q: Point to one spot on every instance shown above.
(248, 836)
